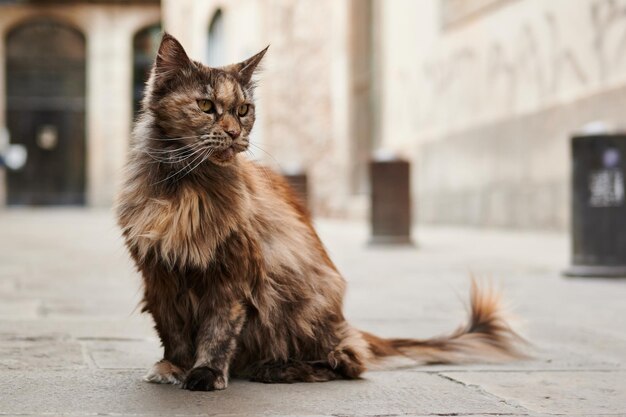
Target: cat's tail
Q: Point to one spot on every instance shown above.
(487, 337)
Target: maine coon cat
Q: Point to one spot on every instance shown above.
(235, 276)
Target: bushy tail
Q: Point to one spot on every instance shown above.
(486, 337)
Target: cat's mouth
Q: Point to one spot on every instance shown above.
(228, 154)
(225, 155)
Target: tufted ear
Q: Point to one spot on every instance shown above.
(171, 57)
(247, 68)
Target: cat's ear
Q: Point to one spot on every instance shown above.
(246, 69)
(171, 57)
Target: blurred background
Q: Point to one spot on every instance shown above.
(453, 115)
(480, 96)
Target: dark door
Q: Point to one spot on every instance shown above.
(145, 47)
(46, 113)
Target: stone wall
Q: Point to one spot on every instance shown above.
(297, 93)
(482, 104)
(301, 99)
(484, 108)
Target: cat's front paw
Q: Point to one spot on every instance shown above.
(165, 372)
(204, 378)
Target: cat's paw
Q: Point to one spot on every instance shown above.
(204, 378)
(164, 372)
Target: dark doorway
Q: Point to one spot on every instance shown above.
(216, 51)
(46, 113)
(145, 46)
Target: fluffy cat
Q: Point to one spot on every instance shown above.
(235, 276)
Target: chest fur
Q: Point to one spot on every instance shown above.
(184, 229)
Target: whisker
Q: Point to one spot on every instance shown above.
(166, 150)
(263, 170)
(204, 158)
(206, 135)
(206, 141)
(175, 138)
(181, 153)
(171, 139)
(183, 168)
(174, 156)
(268, 154)
(177, 159)
(155, 151)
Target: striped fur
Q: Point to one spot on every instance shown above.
(235, 276)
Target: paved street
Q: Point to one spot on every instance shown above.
(72, 341)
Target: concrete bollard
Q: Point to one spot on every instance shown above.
(390, 202)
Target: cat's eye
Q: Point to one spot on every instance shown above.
(206, 106)
(243, 110)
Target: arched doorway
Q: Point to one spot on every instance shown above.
(45, 82)
(145, 47)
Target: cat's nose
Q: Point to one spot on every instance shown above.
(233, 133)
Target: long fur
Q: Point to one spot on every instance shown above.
(485, 337)
(235, 276)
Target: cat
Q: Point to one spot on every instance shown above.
(235, 277)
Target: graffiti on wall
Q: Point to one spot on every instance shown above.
(545, 58)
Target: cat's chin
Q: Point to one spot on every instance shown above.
(225, 157)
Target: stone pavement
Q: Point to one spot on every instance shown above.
(73, 343)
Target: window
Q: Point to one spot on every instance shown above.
(145, 47)
(216, 52)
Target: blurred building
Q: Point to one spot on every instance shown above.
(481, 95)
(66, 93)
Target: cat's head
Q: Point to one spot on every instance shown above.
(202, 113)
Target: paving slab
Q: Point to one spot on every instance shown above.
(125, 327)
(567, 393)
(41, 353)
(123, 392)
(123, 354)
(72, 341)
(12, 307)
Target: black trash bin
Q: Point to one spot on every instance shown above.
(598, 206)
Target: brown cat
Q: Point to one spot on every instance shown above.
(236, 279)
